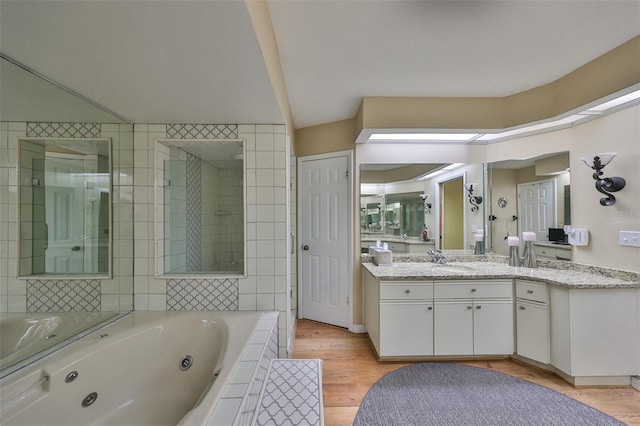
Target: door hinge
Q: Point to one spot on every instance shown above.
(347, 173)
(347, 300)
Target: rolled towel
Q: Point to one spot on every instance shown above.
(513, 241)
(478, 236)
(529, 236)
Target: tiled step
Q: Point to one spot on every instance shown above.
(292, 394)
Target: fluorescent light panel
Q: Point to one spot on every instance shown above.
(456, 137)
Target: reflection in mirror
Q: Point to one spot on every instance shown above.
(407, 203)
(200, 207)
(531, 195)
(65, 214)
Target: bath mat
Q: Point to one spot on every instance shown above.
(292, 394)
(454, 394)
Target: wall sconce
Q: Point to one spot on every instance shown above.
(427, 205)
(473, 199)
(608, 184)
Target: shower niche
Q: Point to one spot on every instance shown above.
(65, 207)
(200, 208)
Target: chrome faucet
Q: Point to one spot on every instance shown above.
(438, 257)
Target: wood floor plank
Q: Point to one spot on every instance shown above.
(350, 368)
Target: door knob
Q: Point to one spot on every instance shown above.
(305, 247)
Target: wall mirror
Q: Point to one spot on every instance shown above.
(28, 97)
(200, 207)
(403, 202)
(65, 207)
(530, 195)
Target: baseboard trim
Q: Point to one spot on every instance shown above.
(357, 328)
(635, 382)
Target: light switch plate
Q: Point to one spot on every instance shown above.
(629, 238)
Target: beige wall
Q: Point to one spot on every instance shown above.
(618, 132)
(324, 138)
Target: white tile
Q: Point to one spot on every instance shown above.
(259, 336)
(247, 302)
(235, 390)
(157, 302)
(264, 128)
(265, 302)
(246, 128)
(225, 412)
(244, 372)
(141, 302)
(252, 352)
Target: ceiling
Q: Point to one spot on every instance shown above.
(200, 61)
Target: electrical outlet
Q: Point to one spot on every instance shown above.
(629, 238)
(474, 228)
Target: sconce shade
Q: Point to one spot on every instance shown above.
(605, 158)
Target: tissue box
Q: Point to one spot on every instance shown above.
(372, 250)
(382, 257)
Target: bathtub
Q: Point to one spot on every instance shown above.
(148, 368)
(24, 336)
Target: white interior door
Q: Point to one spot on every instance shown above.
(325, 242)
(64, 195)
(537, 207)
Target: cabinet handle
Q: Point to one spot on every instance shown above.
(469, 307)
(530, 291)
(407, 291)
(522, 308)
(479, 307)
(429, 308)
(473, 290)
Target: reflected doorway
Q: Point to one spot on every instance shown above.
(451, 217)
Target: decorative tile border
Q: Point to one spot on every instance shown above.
(194, 213)
(202, 294)
(202, 131)
(63, 130)
(63, 296)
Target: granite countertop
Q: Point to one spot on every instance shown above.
(570, 276)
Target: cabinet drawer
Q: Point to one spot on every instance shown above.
(528, 290)
(477, 289)
(409, 290)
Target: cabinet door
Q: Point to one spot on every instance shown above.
(493, 327)
(453, 328)
(532, 331)
(406, 328)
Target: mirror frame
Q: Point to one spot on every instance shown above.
(159, 224)
(108, 274)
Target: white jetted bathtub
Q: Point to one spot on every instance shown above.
(149, 368)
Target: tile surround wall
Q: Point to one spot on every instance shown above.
(115, 294)
(267, 284)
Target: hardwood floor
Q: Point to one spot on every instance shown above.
(350, 368)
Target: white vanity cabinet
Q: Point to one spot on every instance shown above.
(399, 316)
(532, 320)
(473, 317)
(595, 337)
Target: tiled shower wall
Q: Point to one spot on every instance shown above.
(32, 295)
(267, 284)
